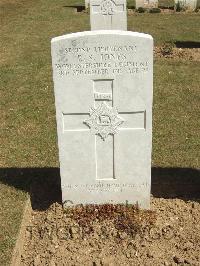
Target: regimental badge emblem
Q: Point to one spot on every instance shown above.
(104, 120)
(107, 7)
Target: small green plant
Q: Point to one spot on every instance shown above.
(141, 10)
(178, 7)
(167, 49)
(154, 10)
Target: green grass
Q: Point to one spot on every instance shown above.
(28, 126)
(176, 137)
(167, 27)
(11, 207)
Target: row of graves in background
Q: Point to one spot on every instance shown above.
(103, 83)
(187, 4)
(176, 4)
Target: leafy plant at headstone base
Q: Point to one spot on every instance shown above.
(167, 49)
(87, 10)
(178, 7)
(141, 10)
(154, 10)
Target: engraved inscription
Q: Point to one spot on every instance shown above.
(103, 187)
(103, 96)
(104, 120)
(99, 60)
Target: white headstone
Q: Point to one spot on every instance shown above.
(146, 3)
(103, 92)
(150, 3)
(108, 15)
(139, 3)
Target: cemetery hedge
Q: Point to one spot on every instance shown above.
(28, 129)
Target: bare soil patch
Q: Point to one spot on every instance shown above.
(186, 54)
(115, 235)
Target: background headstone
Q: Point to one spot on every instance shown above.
(151, 3)
(139, 3)
(188, 4)
(108, 15)
(103, 94)
(146, 3)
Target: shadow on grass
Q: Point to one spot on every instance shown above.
(44, 187)
(175, 182)
(43, 184)
(187, 44)
(79, 8)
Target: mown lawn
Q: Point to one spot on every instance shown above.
(28, 126)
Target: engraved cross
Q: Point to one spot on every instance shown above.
(103, 121)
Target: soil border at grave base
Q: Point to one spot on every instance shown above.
(18, 249)
(165, 233)
(169, 51)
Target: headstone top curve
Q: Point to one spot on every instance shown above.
(102, 32)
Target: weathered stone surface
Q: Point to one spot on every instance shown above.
(108, 15)
(103, 92)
